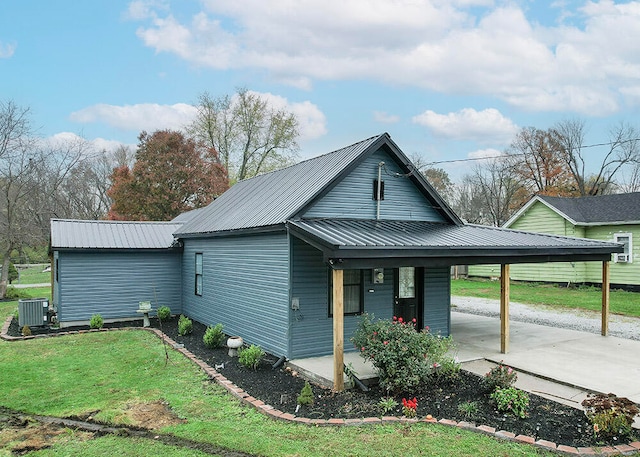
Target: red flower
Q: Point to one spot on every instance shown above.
(386, 342)
(414, 320)
(362, 348)
(400, 320)
(395, 318)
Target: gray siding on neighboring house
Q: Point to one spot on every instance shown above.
(311, 326)
(113, 283)
(245, 287)
(352, 198)
(437, 300)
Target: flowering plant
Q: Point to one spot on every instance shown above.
(403, 356)
(500, 376)
(410, 407)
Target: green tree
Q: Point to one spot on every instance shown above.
(172, 174)
(250, 135)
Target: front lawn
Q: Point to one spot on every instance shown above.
(588, 298)
(106, 375)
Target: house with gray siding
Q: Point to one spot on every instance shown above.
(108, 267)
(358, 230)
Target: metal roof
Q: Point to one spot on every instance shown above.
(597, 209)
(273, 198)
(81, 234)
(404, 239)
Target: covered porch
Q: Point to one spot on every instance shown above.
(370, 244)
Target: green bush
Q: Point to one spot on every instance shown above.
(185, 325)
(16, 294)
(511, 400)
(403, 357)
(501, 376)
(26, 331)
(250, 357)
(387, 404)
(164, 313)
(96, 321)
(306, 395)
(13, 272)
(611, 416)
(213, 336)
(470, 409)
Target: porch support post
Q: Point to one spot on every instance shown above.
(605, 298)
(338, 331)
(504, 308)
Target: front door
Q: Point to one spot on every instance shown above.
(407, 286)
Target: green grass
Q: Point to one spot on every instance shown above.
(33, 275)
(105, 373)
(7, 308)
(587, 298)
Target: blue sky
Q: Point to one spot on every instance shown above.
(447, 79)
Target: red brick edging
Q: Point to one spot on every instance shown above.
(270, 411)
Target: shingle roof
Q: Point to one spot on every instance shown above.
(599, 209)
(80, 234)
(273, 198)
(431, 239)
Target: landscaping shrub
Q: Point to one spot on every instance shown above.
(511, 400)
(306, 395)
(164, 313)
(610, 415)
(213, 336)
(470, 409)
(96, 321)
(26, 331)
(16, 294)
(250, 357)
(387, 404)
(185, 325)
(403, 356)
(501, 376)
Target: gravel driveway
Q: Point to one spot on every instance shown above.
(586, 321)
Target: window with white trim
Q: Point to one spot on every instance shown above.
(627, 255)
(198, 273)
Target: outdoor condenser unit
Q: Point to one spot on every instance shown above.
(33, 312)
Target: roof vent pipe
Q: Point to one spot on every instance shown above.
(379, 189)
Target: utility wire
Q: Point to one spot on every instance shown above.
(471, 159)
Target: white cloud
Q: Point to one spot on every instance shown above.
(7, 50)
(486, 126)
(484, 154)
(144, 9)
(143, 116)
(385, 118)
(151, 116)
(476, 47)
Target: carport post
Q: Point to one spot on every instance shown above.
(338, 330)
(605, 298)
(504, 308)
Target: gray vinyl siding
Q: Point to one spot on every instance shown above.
(311, 326)
(113, 283)
(437, 300)
(352, 198)
(245, 287)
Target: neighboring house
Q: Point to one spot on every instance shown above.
(266, 258)
(614, 218)
(108, 267)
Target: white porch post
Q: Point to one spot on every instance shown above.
(504, 308)
(605, 298)
(338, 330)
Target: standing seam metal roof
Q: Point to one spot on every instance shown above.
(82, 234)
(272, 198)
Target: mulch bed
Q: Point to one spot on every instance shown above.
(277, 387)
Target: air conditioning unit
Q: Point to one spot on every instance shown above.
(622, 258)
(33, 312)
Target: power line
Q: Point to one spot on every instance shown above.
(471, 159)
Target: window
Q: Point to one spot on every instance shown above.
(198, 273)
(353, 293)
(626, 256)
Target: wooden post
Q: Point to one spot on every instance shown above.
(338, 331)
(605, 298)
(504, 309)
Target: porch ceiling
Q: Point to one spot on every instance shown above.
(348, 243)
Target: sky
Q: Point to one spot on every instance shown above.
(447, 79)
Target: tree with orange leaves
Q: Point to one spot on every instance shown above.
(172, 174)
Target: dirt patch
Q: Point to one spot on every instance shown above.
(21, 438)
(152, 416)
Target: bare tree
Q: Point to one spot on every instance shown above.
(622, 149)
(250, 136)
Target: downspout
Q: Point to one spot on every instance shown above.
(379, 189)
